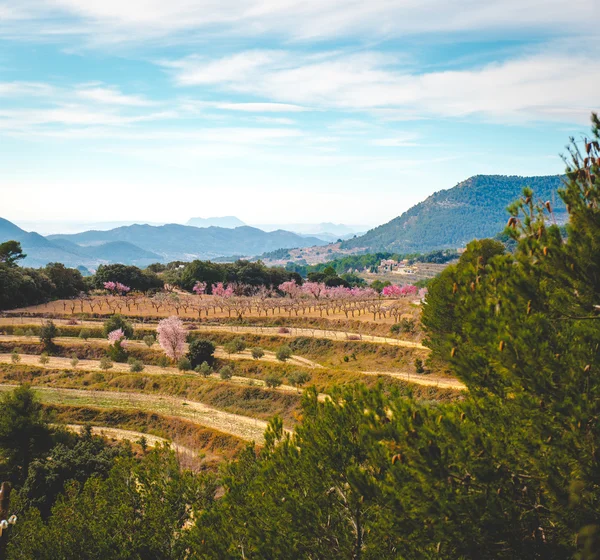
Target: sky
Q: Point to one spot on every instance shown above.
(280, 111)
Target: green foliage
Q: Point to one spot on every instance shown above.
(115, 322)
(68, 282)
(117, 353)
(132, 276)
(11, 252)
(201, 350)
(15, 357)
(299, 378)
(475, 208)
(74, 360)
(226, 372)
(419, 367)
(257, 353)
(105, 363)
(273, 380)
(23, 432)
(283, 353)
(163, 361)
(184, 364)
(85, 334)
(48, 332)
(236, 346)
(149, 340)
(44, 359)
(135, 365)
(204, 369)
(115, 518)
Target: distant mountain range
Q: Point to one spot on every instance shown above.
(224, 222)
(475, 208)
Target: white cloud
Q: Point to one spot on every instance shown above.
(261, 107)
(118, 20)
(112, 96)
(543, 86)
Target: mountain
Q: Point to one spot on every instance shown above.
(177, 242)
(38, 249)
(111, 252)
(475, 208)
(322, 230)
(230, 222)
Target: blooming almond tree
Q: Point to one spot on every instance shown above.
(116, 287)
(117, 337)
(290, 288)
(199, 288)
(171, 337)
(220, 290)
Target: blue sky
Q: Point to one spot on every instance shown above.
(279, 110)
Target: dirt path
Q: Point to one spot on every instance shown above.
(130, 435)
(420, 379)
(94, 365)
(269, 331)
(246, 428)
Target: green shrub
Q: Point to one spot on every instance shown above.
(105, 363)
(29, 332)
(204, 369)
(299, 378)
(163, 361)
(184, 364)
(85, 334)
(226, 372)
(149, 340)
(74, 360)
(257, 353)
(135, 365)
(201, 350)
(273, 380)
(15, 358)
(117, 322)
(283, 353)
(44, 359)
(48, 332)
(19, 332)
(419, 365)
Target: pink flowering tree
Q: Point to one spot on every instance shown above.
(400, 291)
(290, 288)
(314, 289)
(116, 288)
(171, 337)
(117, 343)
(199, 288)
(220, 290)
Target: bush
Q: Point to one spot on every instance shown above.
(257, 353)
(283, 353)
(29, 332)
(19, 332)
(406, 325)
(85, 334)
(201, 350)
(117, 322)
(44, 359)
(48, 332)
(283, 330)
(226, 372)
(204, 369)
(105, 363)
(299, 378)
(273, 380)
(184, 364)
(117, 353)
(15, 358)
(74, 360)
(135, 365)
(236, 346)
(149, 340)
(419, 365)
(163, 361)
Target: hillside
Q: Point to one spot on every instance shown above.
(178, 242)
(229, 222)
(474, 208)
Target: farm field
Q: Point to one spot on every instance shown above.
(330, 346)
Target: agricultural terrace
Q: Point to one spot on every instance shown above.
(265, 347)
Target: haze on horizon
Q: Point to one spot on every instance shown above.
(281, 112)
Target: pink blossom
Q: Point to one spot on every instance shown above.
(199, 288)
(171, 337)
(117, 337)
(315, 289)
(116, 287)
(110, 286)
(400, 291)
(219, 290)
(290, 288)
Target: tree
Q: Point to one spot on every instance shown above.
(273, 380)
(184, 364)
(11, 252)
(116, 345)
(68, 282)
(23, 432)
(283, 353)
(116, 322)
(257, 353)
(171, 337)
(203, 369)
(201, 350)
(48, 332)
(226, 372)
(299, 378)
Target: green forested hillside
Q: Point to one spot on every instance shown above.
(475, 208)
